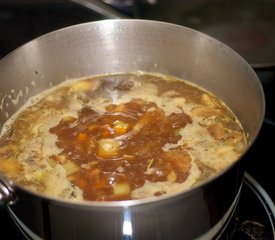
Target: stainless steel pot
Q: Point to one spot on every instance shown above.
(118, 46)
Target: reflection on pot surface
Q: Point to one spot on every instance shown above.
(123, 46)
(120, 137)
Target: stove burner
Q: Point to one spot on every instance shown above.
(255, 197)
(267, 78)
(253, 41)
(244, 25)
(269, 90)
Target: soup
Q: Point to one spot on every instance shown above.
(120, 136)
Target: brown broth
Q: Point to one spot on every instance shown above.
(120, 137)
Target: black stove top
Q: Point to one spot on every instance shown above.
(20, 23)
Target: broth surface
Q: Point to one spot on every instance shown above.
(119, 137)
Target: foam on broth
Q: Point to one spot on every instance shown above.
(119, 136)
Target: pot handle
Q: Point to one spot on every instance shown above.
(7, 193)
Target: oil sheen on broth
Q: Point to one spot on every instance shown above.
(119, 137)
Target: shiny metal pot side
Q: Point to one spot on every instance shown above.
(121, 46)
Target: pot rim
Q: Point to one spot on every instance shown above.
(149, 200)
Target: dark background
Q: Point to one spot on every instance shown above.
(246, 26)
